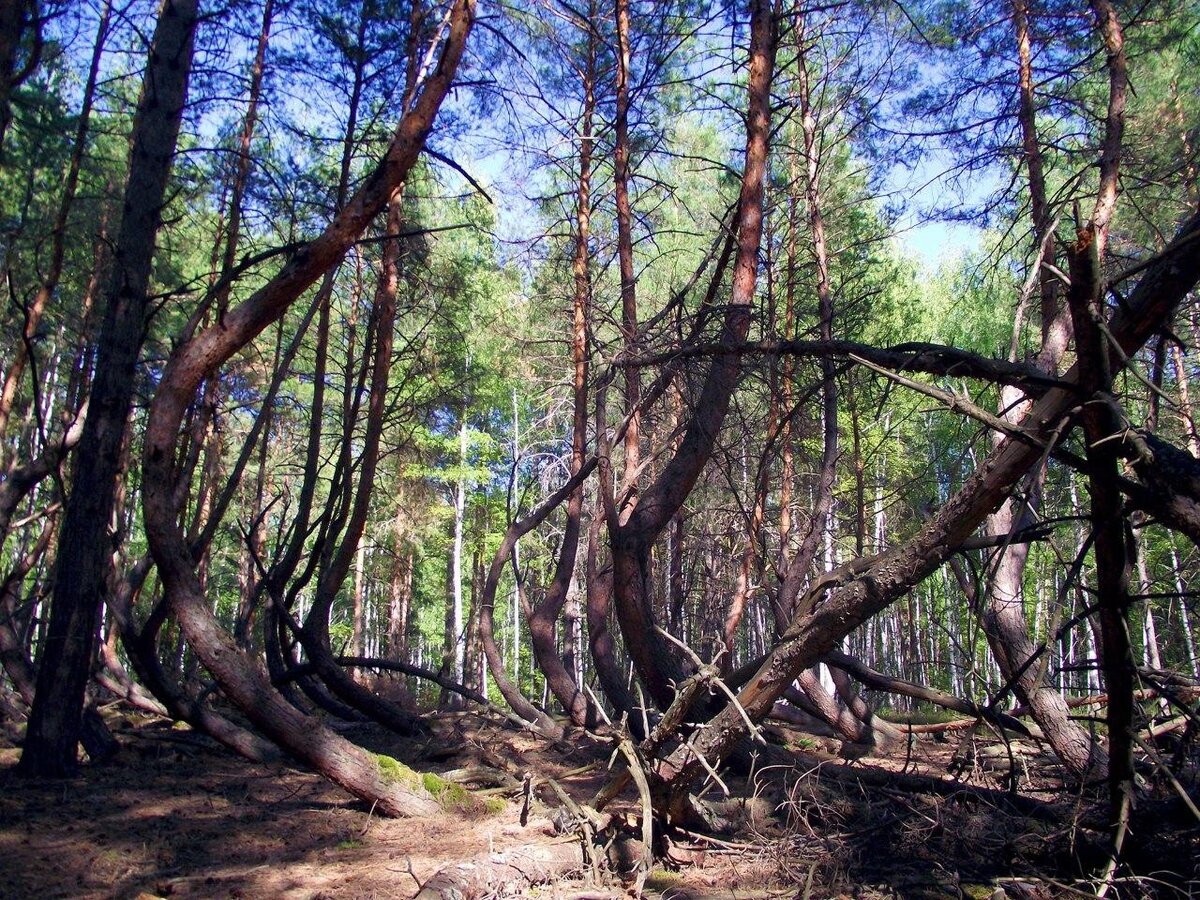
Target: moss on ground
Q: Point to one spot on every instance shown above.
(662, 880)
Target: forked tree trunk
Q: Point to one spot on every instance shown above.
(528, 712)
(632, 541)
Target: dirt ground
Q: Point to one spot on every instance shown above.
(175, 816)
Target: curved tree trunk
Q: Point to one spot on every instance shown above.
(1003, 611)
(239, 678)
(511, 693)
(315, 634)
(543, 618)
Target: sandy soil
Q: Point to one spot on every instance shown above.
(175, 816)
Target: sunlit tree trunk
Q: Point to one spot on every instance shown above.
(629, 310)
(632, 541)
(84, 553)
(1003, 614)
(239, 678)
(815, 532)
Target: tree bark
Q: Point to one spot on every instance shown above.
(632, 541)
(1003, 612)
(240, 680)
(629, 310)
(84, 552)
(543, 618)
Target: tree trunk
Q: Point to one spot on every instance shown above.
(455, 638)
(798, 568)
(543, 618)
(632, 542)
(238, 677)
(84, 552)
(1003, 613)
(629, 310)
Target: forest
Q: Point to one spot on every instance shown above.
(595, 448)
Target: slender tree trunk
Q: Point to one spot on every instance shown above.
(800, 564)
(632, 542)
(400, 604)
(455, 638)
(1003, 614)
(1184, 615)
(1186, 411)
(84, 553)
(629, 311)
(543, 618)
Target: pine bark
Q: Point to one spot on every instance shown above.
(239, 678)
(632, 541)
(84, 550)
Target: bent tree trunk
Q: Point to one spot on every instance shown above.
(543, 618)
(84, 551)
(238, 676)
(1003, 612)
(835, 607)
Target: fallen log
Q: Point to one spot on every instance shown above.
(513, 871)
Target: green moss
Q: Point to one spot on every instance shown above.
(924, 714)
(395, 772)
(977, 891)
(349, 844)
(661, 879)
(451, 796)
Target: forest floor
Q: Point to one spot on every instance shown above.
(174, 816)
